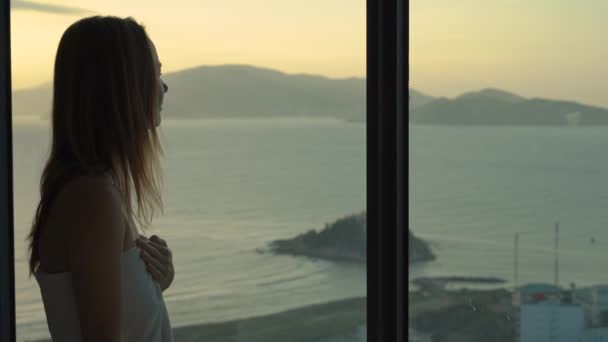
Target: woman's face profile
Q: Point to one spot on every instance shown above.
(162, 87)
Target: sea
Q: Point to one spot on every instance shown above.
(230, 187)
(472, 189)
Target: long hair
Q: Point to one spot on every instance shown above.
(105, 100)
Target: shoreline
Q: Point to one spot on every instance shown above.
(444, 281)
(324, 321)
(317, 254)
(439, 314)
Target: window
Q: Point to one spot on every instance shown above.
(507, 162)
(265, 139)
(386, 64)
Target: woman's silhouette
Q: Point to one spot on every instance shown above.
(100, 187)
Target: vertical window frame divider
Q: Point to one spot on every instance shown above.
(387, 160)
(7, 262)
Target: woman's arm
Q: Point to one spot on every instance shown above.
(95, 234)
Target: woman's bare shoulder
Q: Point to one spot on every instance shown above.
(87, 207)
(86, 191)
(88, 197)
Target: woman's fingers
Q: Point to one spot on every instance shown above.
(149, 260)
(161, 246)
(158, 259)
(154, 250)
(156, 239)
(154, 272)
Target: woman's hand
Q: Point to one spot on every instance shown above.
(158, 259)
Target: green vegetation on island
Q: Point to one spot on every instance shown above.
(419, 250)
(343, 240)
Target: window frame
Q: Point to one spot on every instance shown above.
(7, 263)
(386, 162)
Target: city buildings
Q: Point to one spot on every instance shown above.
(547, 313)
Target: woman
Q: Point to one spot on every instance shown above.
(100, 183)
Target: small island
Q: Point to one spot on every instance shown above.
(419, 250)
(342, 240)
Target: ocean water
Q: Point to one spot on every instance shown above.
(472, 189)
(231, 186)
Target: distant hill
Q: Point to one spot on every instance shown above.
(492, 94)
(239, 91)
(496, 107)
(418, 99)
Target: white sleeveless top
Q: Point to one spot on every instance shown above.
(144, 311)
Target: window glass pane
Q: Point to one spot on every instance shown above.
(508, 133)
(263, 132)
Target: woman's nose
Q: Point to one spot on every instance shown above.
(165, 87)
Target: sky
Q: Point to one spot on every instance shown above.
(536, 48)
(324, 37)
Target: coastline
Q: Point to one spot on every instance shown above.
(319, 322)
(439, 314)
(324, 254)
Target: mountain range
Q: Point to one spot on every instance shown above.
(245, 91)
(494, 107)
(230, 91)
